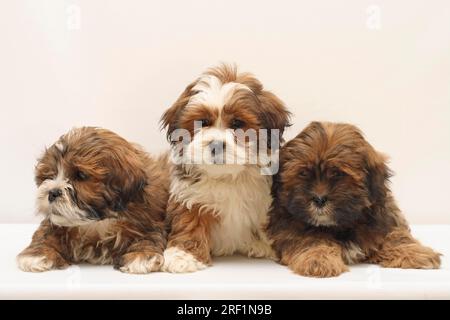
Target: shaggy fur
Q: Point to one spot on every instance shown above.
(103, 200)
(333, 206)
(219, 208)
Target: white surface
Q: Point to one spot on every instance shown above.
(120, 64)
(228, 278)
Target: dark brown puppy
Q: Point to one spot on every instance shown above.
(103, 200)
(333, 207)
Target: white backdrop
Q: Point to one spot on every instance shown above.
(383, 65)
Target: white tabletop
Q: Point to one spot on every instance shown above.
(229, 278)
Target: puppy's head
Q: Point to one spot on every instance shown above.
(331, 176)
(215, 125)
(87, 175)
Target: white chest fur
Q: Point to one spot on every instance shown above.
(241, 203)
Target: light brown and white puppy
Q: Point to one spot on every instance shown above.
(333, 206)
(103, 200)
(220, 193)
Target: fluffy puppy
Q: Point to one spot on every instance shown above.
(333, 207)
(221, 187)
(103, 200)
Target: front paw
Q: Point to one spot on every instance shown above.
(180, 261)
(412, 257)
(40, 262)
(260, 249)
(318, 263)
(140, 262)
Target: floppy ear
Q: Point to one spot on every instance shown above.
(274, 115)
(169, 119)
(378, 174)
(127, 179)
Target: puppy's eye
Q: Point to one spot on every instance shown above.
(237, 124)
(205, 122)
(335, 173)
(81, 176)
(304, 173)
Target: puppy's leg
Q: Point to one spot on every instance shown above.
(260, 247)
(144, 252)
(188, 249)
(400, 250)
(314, 257)
(142, 257)
(45, 250)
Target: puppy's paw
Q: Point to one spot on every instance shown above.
(318, 263)
(39, 262)
(260, 249)
(141, 262)
(414, 256)
(180, 261)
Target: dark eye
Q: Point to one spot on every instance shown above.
(205, 122)
(336, 173)
(237, 124)
(304, 173)
(81, 176)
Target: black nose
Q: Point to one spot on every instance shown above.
(217, 147)
(320, 201)
(53, 194)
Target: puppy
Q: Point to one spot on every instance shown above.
(333, 207)
(221, 190)
(103, 200)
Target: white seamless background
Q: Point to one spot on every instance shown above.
(382, 65)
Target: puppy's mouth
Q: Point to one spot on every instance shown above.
(57, 201)
(62, 221)
(220, 170)
(70, 216)
(321, 215)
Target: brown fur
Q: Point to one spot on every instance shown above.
(255, 109)
(122, 186)
(190, 230)
(258, 108)
(359, 222)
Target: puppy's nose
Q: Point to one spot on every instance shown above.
(320, 201)
(217, 147)
(53, 194)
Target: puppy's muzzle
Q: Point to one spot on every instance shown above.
(217, 148)
(54, 194)
(320, 201)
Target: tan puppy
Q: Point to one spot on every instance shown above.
(219, 196)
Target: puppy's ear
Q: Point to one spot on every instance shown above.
(169, 119)
(127, 179)
(274, 114)
(378, 174)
